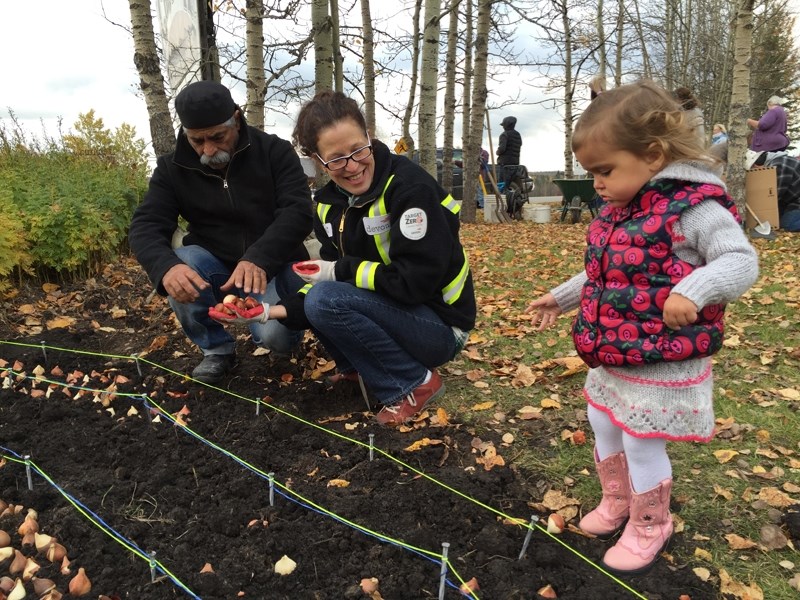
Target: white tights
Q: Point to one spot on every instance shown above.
(648, 463)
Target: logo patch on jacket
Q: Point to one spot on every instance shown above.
(377, 225)
(414, 223)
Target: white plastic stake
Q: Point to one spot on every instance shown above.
(371, 446)
(27, 458)
(135, 357)
(528, 535)
(443, 576)
(152, 555)
(44, 352)
(271, 477)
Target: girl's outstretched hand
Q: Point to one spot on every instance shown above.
(545, 311)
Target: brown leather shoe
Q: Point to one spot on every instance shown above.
(412, 404)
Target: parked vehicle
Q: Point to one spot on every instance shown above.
(457, 190)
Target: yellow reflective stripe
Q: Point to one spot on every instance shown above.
(304, 290)
(365, 275)
(451, 204)
(452, 291)
(322, 211)
(378, 209)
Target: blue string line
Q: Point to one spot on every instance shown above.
(100, 523)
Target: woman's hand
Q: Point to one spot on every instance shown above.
(545, 311)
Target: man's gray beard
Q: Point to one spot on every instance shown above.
(220, 159)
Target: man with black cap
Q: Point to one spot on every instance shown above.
(247, 206)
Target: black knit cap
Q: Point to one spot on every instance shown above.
(204, 104)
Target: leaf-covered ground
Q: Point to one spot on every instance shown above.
(510, 440)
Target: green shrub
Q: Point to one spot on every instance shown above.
(68, 203)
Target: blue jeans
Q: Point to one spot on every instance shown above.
(790, 220)
(212, 337)
(391, 345)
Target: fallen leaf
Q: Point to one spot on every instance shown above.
(737, 542)
(483, 406)
(727, 585)
(60, 322)
(419, 444)
(724, 456)
(339, 483)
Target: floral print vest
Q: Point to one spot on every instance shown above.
(631, 269)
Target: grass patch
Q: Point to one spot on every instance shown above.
(509, 365)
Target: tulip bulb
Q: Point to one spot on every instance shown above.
(6, 553)
(17, 563)
(5, 539)
(555, 523)
(41, 586)
(53, 594)
(29, 525)
(56, 552)
(6, 584)
(31, 566)
(285, 565)
(42, 541)
(18, 592)
(80, 584)
(65, 570)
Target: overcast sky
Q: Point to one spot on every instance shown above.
(64, 58)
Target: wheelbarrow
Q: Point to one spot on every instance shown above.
(578, 194)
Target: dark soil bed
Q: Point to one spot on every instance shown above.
(191, 502)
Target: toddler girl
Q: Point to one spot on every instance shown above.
(664, 256)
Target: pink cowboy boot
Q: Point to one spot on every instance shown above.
(646, 534)
(612, 512)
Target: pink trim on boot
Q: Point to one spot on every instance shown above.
(646, 534)
(612, 512)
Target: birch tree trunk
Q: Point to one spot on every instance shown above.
(336, 50)
(369, 67)
(412, 91)
(601, 40)
(472, 146)
(466, 86)
(254, 44)
(428, 86)
(151, 81)
(740, 103)
(568, 88)
(323, 46)
(450, 96)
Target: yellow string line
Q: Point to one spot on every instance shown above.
(354, 441)
(119, 540)
(308, 501)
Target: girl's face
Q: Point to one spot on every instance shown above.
(345, 139)
(618, 174)
(717, 129)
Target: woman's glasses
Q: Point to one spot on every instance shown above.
(356, 155)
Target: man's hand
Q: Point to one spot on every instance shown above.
(248, 277)
(546, 310)
(314, 271)
(183, 284)
(236, 311)
(679, 311)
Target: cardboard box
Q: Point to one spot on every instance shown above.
(761, 195)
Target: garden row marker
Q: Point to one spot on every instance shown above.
(364, 392)
(443, 576)
(147, 408)
(152, 555)
(258, 407)
(271, 477)
(528, 535)
(27, 458)
(135, 357)
(44, 351)
(371, 446)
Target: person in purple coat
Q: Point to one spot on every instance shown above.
(769, 133)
